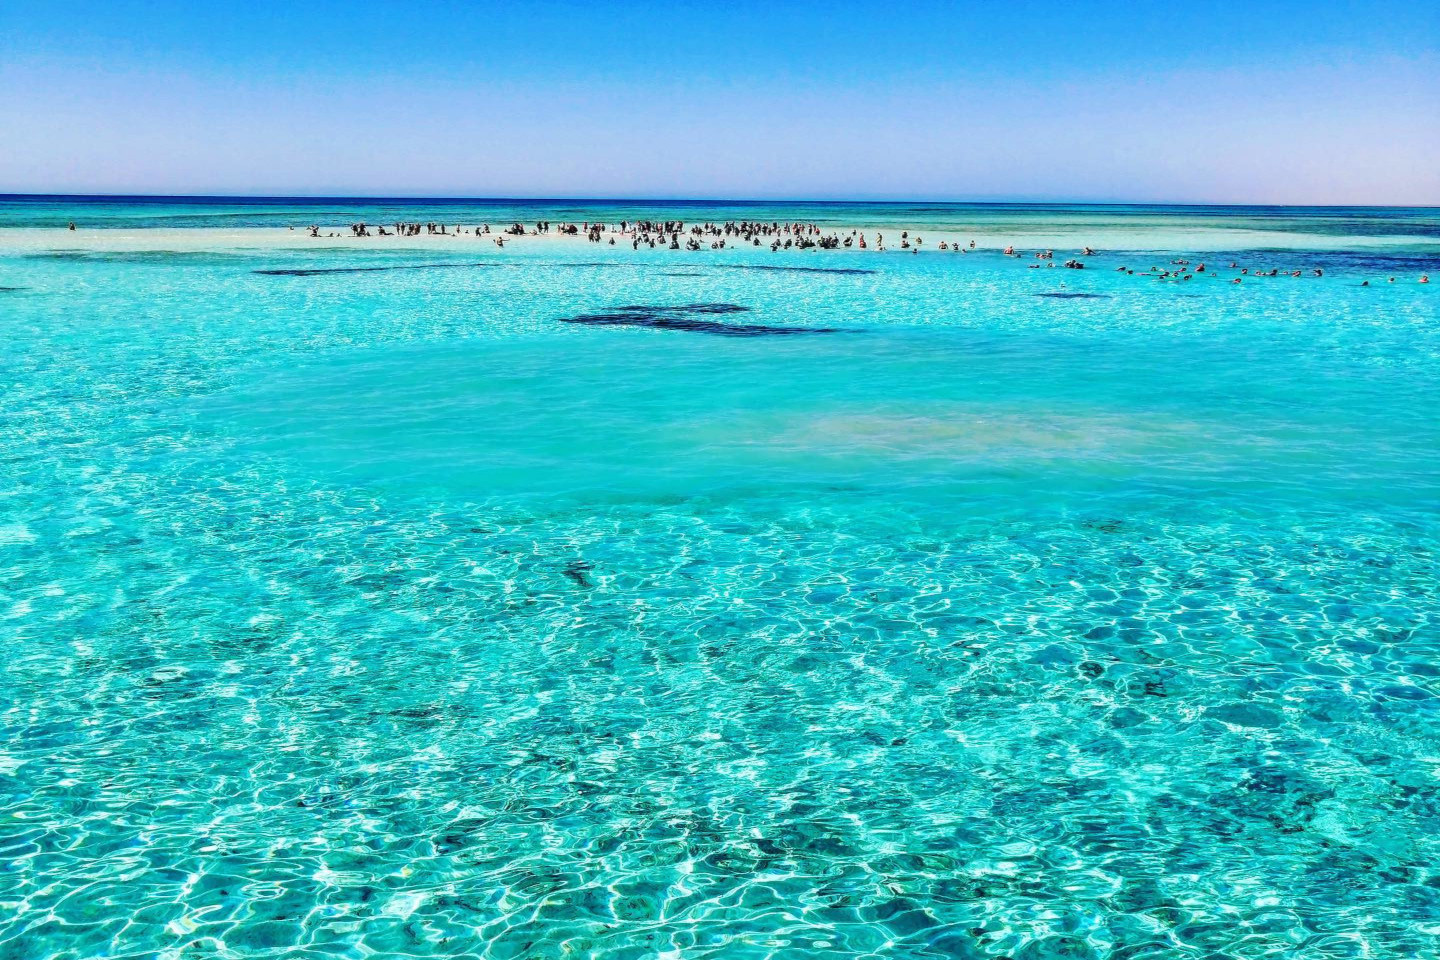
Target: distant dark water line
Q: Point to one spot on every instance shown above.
(582, 202)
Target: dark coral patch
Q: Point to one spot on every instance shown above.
(317, 271)
(686, 308)
(683, 318)
(179, 257)
(759, 266)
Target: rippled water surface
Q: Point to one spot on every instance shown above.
(365, 601)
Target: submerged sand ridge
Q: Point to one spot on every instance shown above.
(986, 237)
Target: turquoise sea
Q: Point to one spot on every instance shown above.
(365, 608)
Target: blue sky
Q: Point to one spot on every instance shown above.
(1334, 102)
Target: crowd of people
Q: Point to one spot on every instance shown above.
(678, 235)
(664, 234)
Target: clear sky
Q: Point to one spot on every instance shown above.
(1323, 101)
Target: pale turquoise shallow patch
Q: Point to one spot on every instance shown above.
(382, 614)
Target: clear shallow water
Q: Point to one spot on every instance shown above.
(384, 613)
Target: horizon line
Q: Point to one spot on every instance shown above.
(717, 201)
